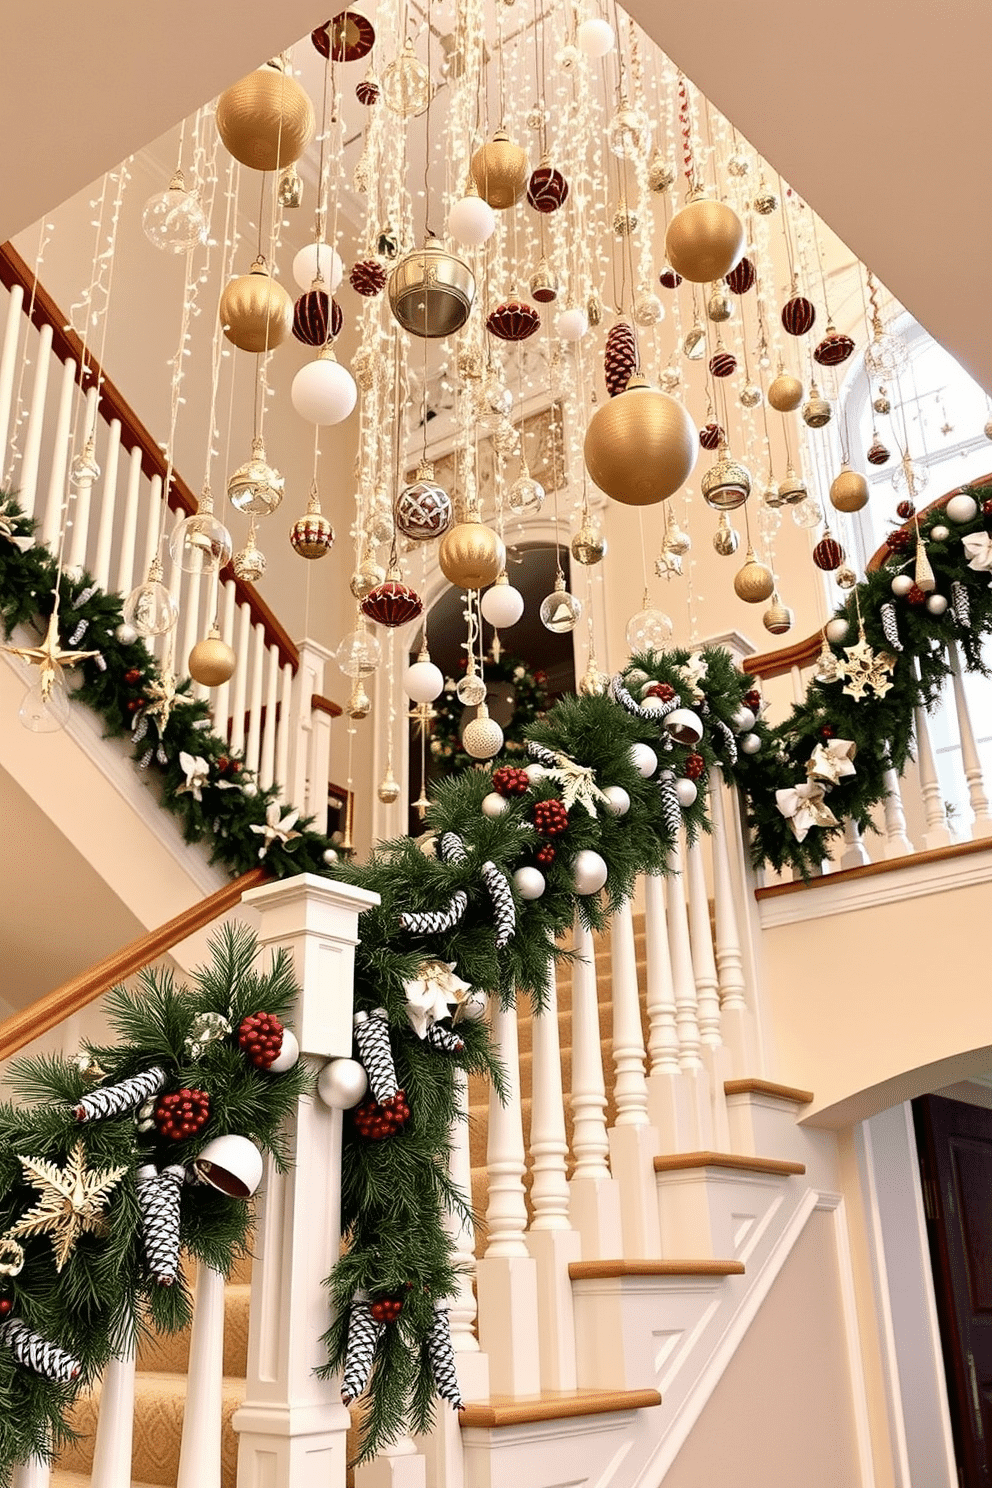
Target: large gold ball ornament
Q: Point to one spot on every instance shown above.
(255, 310)
(785, 393)
(704, 241)
(640, 447)
(471, 555)
(754, 582)
(431, 291)
(500, 171)
(849, 491)
(212, 661)
(266, 120)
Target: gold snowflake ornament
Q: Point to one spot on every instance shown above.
(865, 670)
(71, 1204)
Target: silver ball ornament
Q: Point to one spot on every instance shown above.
(617, 800)
(687, 791)
(589, 871)
(643, 759)
(342, 1083)
(751, 743)
(126, 634)
(529, 882)
(936, 604)
(743, 721)
(494, 804)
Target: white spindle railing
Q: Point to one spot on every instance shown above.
(26, 480)
(115, 1427)
(594, 1193)
(974, 779)
(200, 1453)
(8, 365)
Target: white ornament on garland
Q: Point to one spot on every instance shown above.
(21, 541)
(197, 771)
(342, 1083)
(961, 509)
(494, 804)
(687, 792)
(887, 615)
(277, 828)
(589, 871)
(978, 546)
(617, 800)
(578, 784)
(643, 759)
(436, 921)
(865, 670)
(433, 994)
(442, 1358)
(529, 882)
(832, 761)
(804, 807)
(503, 906)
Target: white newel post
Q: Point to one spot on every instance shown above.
(977, 799)
(715, 1055)
(693, 1071)
(551, 1240)
(634, 1142)
(594, 1194)
(736, 1023)
(115, 1428)
(200, 1452)
(292, 1425)
(507, 1274)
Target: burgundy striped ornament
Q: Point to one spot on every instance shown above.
(547, 189)
(316, 318)
(620, 358)
(742, 278)
(833, 349)
(798, 315)
(367, 277)
(723, 364)
(877, 453)
(392, 603)
(670, 279)
(828, 553)
(346, 38)
(367, 92)
(711, 436)
(513, 321)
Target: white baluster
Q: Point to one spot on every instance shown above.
(253, 746)
(27, 485)
(798, 687)
(897, 843)
(188, 591)
(977, 799)
(267, 756)
(937, 832)
(319, 769)
(634, 1143)
(855, 854)
(108, 506)
(240, 688)
(735, 1019)
(399, 1465)
(8, 364)
(129, 526)
(283, 729)
(53, 513)
(686, 1020)
(222, 694)
(79, 508)
(115, 1426)
(666, 1103)
(35, 1473)
(507, 1276)
(716, 1058)
(594, 1194)
(153, 511)
(200, 1452)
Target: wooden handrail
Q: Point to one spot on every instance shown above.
(67, 346)
(52, 1009)
(803, 653)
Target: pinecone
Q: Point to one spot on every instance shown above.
(620, 360)
(509, 781)
(694, 766)
(550, 818)
(182, 1113)
(367, 277)
(376, 1122)
(260, 1036)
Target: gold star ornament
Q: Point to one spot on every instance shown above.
(72, 1201)
(50, 656)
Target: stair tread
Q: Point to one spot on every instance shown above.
(554, 1405)
(676, 1161)
(606, 1270)
(791, 1093)
(62, 1479)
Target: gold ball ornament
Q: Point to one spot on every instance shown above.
(849, 491)
(389, 789)
(785, 393)
(500, 171)
(212, 661)
(266, 120)
(255, 311)
(778, 618)
(471, 556)
(754, 582)
(704, 241)
(641, 446)
(482, 738)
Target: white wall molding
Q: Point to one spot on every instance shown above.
(905, 881)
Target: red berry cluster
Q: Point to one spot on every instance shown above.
(752, 700)
(545, 855)
(905, 509)
(694, 766)
(509, 781)
(550, 818)
(132, 676)
(378, 1122)
(5, 1306)
(827, 731)
(898, 541)
(227, 766)
(386, 1309)
(916, 596)
(663, 690)
(182, 1113)
(260, 1036)
(987, 508)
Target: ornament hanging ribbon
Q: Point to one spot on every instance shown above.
(978, 546)
(433, 994)
(832, 761)
(578, 782)
(804, 807)
(276, 828)
(197, 771)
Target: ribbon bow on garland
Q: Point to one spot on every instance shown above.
(832, 761)
(978, 546)
(804, 807)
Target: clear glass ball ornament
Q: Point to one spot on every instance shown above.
(256, 487)
(661, 173)
(560, 611)
(750, 395)
(568, 57)
(670, 381)
(173, 220)
(881, 403)
(505, 438)
(201, 544)
(471, 690)
(845, 577)
(726, 539)
(629, 133)
(45, 706)
(694, 342)
(250, 563)
(526, 494)
(380, 521)
(648, 630)
(624, 221)
(538, 115)
(807, 513)
(359, 653)
(150, 609)
(885, 355)
(84, 470)
(495, 401)
(648, 309)
(769, 521)
(911, 476)
(406, 84)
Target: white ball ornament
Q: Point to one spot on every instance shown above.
(289, 1053)
(342, 1083)
(936, 604)
(743, 720)
(318, 258)
(751, 743)
(126, 634)
(643, 759)
(595, 38)
(837, 629)
(535, 773)
(653, 705)
(502, 606)
(423, 682)
(330, 856)
(494, 804)
(323, 391)
(249, 789)
(635, 677)
(617, 800)
(572, 324)
(589, 871)
(482, 738)
(940, 533)
(961, 508)
(473, 1006)
(529, 882)
(901, 585)
(687, 791)
(471, 221)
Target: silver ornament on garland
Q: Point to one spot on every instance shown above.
(890, 629)
(442, 1359)
(502, 896)
(436, 921)
(159, 1197)
(364, 1333)
(35, 1352)
(372, 1038)
(114, 1100)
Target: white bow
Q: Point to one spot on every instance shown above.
(694, 671)
(433, 994)
(978, 546)
(197, 775)
(275, 830)
(7, 531)
(832, 761)
(804, 807)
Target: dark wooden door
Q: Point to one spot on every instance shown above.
(955, 1147)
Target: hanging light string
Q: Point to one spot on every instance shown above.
(14, 452)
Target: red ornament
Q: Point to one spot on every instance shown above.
(669, 279)
(392, 603)
(346, 38)
(386, 1309)
(798, 315)
(723, 363)
(316, 318)
(550, 818)
(916, 596)
(877, 453)
(663, 690)
(513, 321)
(987, 508)
(181, 1113)
(132, 676)
(827, 731)
(260, 1036)
(752, 700)
(133, 704)
(694, 766)
(898, 541)
(620, 358)
(711, 436)
(367, 277)
(741, 279)
(905, 509)
(5, 1306)
(828, 554)
(375, 1122)
(833, 349)
(545, 855)
(547, 189)
(367, 92)
(509, 781)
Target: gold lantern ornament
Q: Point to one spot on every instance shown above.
(212, 661)
(848, 491)
(266, 120)
(704, 240)
(471, 556)
(431, 291)
(255, 311)
(500, 171)
(785, 393)
(640, 447)
(754, 582)
(312, 536)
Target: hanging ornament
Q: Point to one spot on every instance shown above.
(624, 220)
(364, 1332)
(547, 189)
(560, 611)
(694, 342)
(347, 38)
(588, 546)
(513, 320)
(367, 277)
(525, 494)
(471, 220)
(778, 618)
(727, 484)
(471, 689)
(158, 1196)
(482, 737)
(648, 309)
(711, 436)
(312, 536)
(422, 680)
(877, 453)
(316, 317)
(35, 1352)
(649, 630)
(249, 564)
(845, 577)
(723, 363)
(392, 603)
(255, 312)
(828, 553)
(502, 605)
(785, 393)
(431, 291)
(572, 324)
(848, 491)
(640, 448)
(668, 279)
(423, 509)
(499, 169)
(359, 704)
(318, 263)
(212, 661)
(620, 358)
(266, 120)
(544, 283)
(798, 313)
(816, 410)
(593, 682)
(256, 487)
(742, 277)
(726, 539)
(704, 241)
(807, 513)
(589, 872)
(792, 490)
(406, 84)
(719, 306)
(471, 555)
(174, 220)
(765, 201)
(754, 582)
(864, 670)
(200, 544)
(595, 38)
(323, 391)
(661, 174)
(290, 190)
(834, 348)
(676, 541)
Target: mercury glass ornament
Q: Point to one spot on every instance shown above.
(750, 395)
(544, 283)
(670, 381)
(675, 540)
(471, 689)
(201, 544)
(359, 704)
(719, 306)
(359, 653)
(885, 355)
(593, 682)
(312, 536)
(661, 173)
(816, 410)
(881, 403)
(249, 564)
(727, 484)
(290, 188)
(792, 490)
(594, 309)
(845, 577)
(406, 84)
(84, 470)
(778, 618)
(379, 523)
(771, 495)
(807, 513)
(624, 220)
(694, 342)
(648, 309)
(648, 630)
(423, 509)
(738, 164)
(494, 402)
(629, 133)
(256, 487)
(726, 539)
(173, 220)
(389, 788)
(367, 576)
(765, 201)
(526, 494)
(589, 545)
(560, 611)
(150, 609)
